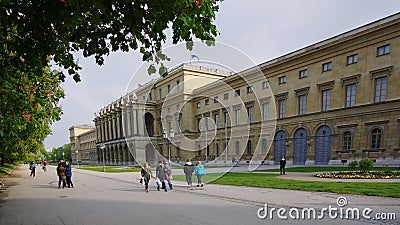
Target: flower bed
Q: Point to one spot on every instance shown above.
(360, 175)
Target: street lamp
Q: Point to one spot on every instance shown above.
(167, 137)
(63, 155)
(76, 157)
(55, 157)
(103, 147)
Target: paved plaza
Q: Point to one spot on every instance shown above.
(118, 198)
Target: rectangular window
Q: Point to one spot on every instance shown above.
(216, 120)
(168, 88)
(198, 124)
(265, 85)
(326, 100)
(383, 50)
(226, 96)
(237, 114)
(249, 89)
(198, 104)
(302, 104)
(249, 115)
(226, 119)
(350, 95)
(282, 108)
(265, 108)
(215, 99)
(177, 86)
(237, 92)
(207, 121)
(303, 74)
(160, 93)
(380, 89)
(206, 102)
(326, 66)
(150, 96)
(352, 59)
(282, 80)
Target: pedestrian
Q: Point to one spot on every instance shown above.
(68, 174)
(45, 166)
(32, 167)
(146, 175)
(199, 171)
(160, 174)
(168, 173)
(282, 165)
(233, 160)
(188, 169)
(61, 175)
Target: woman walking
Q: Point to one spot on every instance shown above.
(188, 169)
(146, 174)
(68, 174)
(61, 175)
(199, 171)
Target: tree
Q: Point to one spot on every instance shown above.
(57, 28)
(40, 33)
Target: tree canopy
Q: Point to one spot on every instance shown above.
(57, 28)
(34, 35)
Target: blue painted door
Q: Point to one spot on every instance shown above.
(323, 144)
(280, 146)
(300, 147)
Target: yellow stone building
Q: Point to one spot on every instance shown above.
(83, 143)
(327, 103)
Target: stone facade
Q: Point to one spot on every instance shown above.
(330, 102)
(83, 143)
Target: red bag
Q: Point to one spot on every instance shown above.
(166, 176)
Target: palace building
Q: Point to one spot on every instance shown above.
(332, 102)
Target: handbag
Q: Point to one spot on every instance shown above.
(166, 176)
(141, 180)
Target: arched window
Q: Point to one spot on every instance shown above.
(264, 146)
(237, 148)
(376, 137)
(346, 140)
(249, 147)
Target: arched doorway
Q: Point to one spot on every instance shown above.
(323, 143)
(300, 147)
(280, 146)
(149, 123)
(151, 154)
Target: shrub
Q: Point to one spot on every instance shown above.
(366, 164)
(353, 165)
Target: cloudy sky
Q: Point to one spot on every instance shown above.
(260, 29)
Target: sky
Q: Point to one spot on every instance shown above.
(260, 29)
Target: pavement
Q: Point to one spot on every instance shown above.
(264, 199)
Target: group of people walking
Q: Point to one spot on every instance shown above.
(164, 175)
(64, 173)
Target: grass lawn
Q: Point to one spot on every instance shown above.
(324, 169)
(111, 169)
(6, 169)
(270, 181)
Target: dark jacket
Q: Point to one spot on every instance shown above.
(68, 170)
(283, 163)
(188, 168)
(160, 173)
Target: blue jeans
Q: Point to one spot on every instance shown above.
(199, 180)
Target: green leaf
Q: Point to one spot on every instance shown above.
(152, 69)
